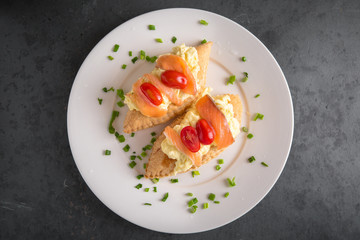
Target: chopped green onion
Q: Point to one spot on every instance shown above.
(251, 159)
(244, 79)
(113, 116)
(153, 140)
(139, 157)
(203, 41)
(192, 202)
(211, 197)
(226, 194)
(130, 53)
(217, 167)
(195, 173)
(146, 189)
(155, 180)
(148, 58)
(153, 59)
(153, 134)
(132, 164)
(139, 176)
(264, 164)
(231, 182)
(231, 80)
(258, 116)
(132, 134)
(119, 137)
(116, 48)
(132, 157)
(120, 103)
(217, 202)
(100, 101)
(148, 147)
(174, 180)
(155, 189)
(190, 194)
(120, 93)
(221, 161)
(243, 59)
(142, 55)
(203, 22)
(134, 59)
(246, 74)
(138, 186)
(257, 95)
(107, 152)
(173, 39)
(123, 66)
(205, 205)
(159, 40)
(193, 209)
(134, 152)
(151, 27)
(144, 166)
(250, 136)
(111, 58)
(108, 90)
(148, 204)
(245, 129)
(165, 197)
(143, 154)
(126, 148)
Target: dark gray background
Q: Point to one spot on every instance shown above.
(43, 43)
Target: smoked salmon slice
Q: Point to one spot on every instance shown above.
(143, 103)
(175, 139)
(176, 63)
(169, 92)
(210, 112)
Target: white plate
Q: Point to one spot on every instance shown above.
(110, 177)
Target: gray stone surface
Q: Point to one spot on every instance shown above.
(43, 43)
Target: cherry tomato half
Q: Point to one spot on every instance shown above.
(174, 79)
(152, 93)
(205, 132)
(190, 138)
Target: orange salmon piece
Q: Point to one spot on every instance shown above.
(143, 103)
(175, 139)
(210, 112)
(169, 92)
(176, 63)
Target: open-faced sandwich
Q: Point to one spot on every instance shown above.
(166, 92)
(209, 126)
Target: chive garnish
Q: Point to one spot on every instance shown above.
(226, 194)
(153, 140)
(143, 154)
(211, 197)
(113, 116)
(258, 116)
(134, 59)
(132, 157)
(251, 159)
(174, 180)
(120, 93)
(165, 197)
(148, 147)
(107, 152)
(142, 55)
(144, 166)
(173, 39)
(153, 59)
(250, 136)
(155, 180)
(192, 202)
(264, 164)
(151, 27)
(203, 41)
(245, 129)
(244, 79)
(120, 103)
(148, 204)
(116, 48)
(205, 205)
(119, 137)
(193, 209)
(257, 95)
(139, 176)
(107, 90)
(217, 202)
(100, 101)
(132, 164)
(139, 157)
(246, 74)
(243, 59)
(123, 66)
(110, 57)
(217, 167)
(231, 80)
(231, 182)
(126, 148)
(138, 186)
(203, 22)
(159, 40)
(130, 53)
(153, 134)
(155, 189)
(146, 189)
(190, 194)
(221, 161)
(132, 134)
(195, 173)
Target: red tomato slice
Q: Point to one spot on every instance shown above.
(152, 93)
(205, 132)
(174, 79)
(190, 138)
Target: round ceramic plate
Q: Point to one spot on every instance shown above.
(111, 178)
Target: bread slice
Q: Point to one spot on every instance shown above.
(135, 121)
(160, 165)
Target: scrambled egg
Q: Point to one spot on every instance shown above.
(190, 55)
(183, 162)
